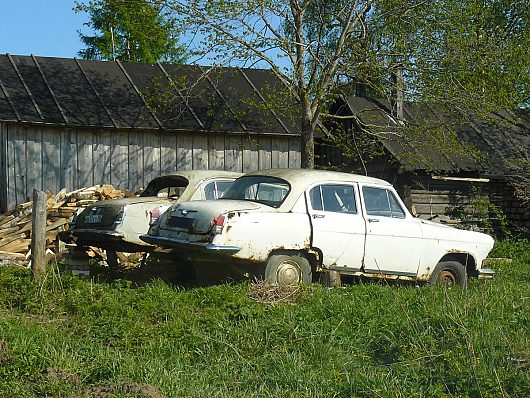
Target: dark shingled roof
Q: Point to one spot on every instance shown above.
(503, 140)
(81, 93)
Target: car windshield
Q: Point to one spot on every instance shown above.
(166, 187)
(270, 191)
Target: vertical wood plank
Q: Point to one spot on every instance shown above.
(102, 155)
(136, 161)
(3, 168)
(68, 159)
(216, 152)
(168, 153)
(233, 154)
(250, 154)
(200, 152)
(264, 152)
(294, 153)
(184, 152)
(85, 160)
(151, 145)
(33, 159)
(19, 142)
(10, 168)
(51, 165)
(119, 159)
(280, 153)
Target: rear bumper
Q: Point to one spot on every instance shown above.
(170, 243)
(485, 273)
(108, 240)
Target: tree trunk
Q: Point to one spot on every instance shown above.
(308, 143)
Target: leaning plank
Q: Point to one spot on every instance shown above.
(7, 231)
(10, 239)
(60, 222)
(17, 246)
(4, 255)
(6, 220)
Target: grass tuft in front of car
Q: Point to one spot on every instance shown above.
(69, 337)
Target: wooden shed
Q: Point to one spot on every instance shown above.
(69, 123)
(448, 167)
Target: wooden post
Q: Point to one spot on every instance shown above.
(38, 233)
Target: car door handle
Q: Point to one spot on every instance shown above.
(373, 220)
(318, 215)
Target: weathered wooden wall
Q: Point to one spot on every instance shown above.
(3, 178)
(52, 158)
(441, 200)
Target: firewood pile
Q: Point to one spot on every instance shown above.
(15, 224)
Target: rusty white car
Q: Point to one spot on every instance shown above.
(288, 226)
(115, 225)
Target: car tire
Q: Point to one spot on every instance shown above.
(449, 273)
(330, 279)
(287, 270)
(112, 259)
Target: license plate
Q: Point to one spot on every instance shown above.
(180, 222)
(93, 218)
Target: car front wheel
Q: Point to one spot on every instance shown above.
(449, 273)
(287, 270)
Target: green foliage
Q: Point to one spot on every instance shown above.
(75, 338)
(479, 212)
(129, 30)
(467, 57)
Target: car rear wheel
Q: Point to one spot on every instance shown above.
(287, 270)
(449, 273)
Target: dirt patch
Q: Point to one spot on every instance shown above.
(59, 375)
(128, 388)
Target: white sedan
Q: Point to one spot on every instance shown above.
(288, 225)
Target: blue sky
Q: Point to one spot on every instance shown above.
(40, 27)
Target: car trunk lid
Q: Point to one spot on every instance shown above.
(103, 214)
(197, 217)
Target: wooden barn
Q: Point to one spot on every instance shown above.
(447, 168)
(69, 123)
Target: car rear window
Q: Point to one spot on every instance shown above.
(166, 187)
(270, 191)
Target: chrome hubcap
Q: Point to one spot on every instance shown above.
(288, 273)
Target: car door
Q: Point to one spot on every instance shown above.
(393, 237)
(338, 228)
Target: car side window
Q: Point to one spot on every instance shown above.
(333, 198)
(171, 192)
(381, 202)
(216, 189)
(395, 208)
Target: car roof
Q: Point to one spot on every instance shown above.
(203, 174)
(301, 179)
(309, 176)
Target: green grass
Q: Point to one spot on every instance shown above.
(63, 337)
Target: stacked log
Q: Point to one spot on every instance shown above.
(15, 224)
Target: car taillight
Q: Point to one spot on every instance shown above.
(218, 224)
(154, 214)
